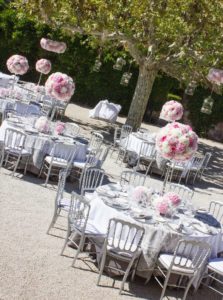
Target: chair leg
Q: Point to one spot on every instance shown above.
(67, 238)
(27, 162)
(187, 289)
(79, 249)
(125, 276)
(164, 286)
(54, 219)
(2, 158)
(16, 165)
(48, 175)
(102, 265)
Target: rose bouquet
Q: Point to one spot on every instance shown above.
(141, 196)
(215, 76)
(59, 128)
(17, 64)
(53, 46)
(60, 86)
(176, 141)
(171, 111)
(167, 204)
(42, 124)
(43, 66)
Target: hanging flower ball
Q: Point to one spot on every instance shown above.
(17, 64)
(53, 46)
(176, 141)
(43, 66)
(215, 76)
(171, 111)
(60, 86)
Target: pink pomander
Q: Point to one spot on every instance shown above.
(43, 66)
(171, 111)
(60, 127)
(17, 64)
(53, 46)
(172, 198)
(215, 76)
(42, 124)
(176, 141)
(60, 86)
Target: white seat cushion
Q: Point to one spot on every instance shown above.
(16, 151)
(79, 164)
(166, 260)
(216, 265)
(65, 204)
(57, 162)
(91, 229)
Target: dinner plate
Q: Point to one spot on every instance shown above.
(118, 203)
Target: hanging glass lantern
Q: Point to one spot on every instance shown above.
(125, 78)
(207, 105)
(97, 65)
(119, 64)
(191, 88)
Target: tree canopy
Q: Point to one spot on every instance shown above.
(182, 38)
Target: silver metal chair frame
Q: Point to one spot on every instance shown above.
(127, 250)
(132, 178)
(92, 178)
(184, 192)
(95, 141)
(214, 276)
(144, 158)
(72, 129)
(216, 209)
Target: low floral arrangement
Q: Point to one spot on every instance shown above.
(171, 111)
(8, 92)
(215, 76)
(59, 128)
(42, 124)
(60, 86)
(141, 196)
(43, 66)
(17, 64)
(53, 46)
(167, 204)
(176, 141)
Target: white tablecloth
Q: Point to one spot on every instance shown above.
(158, 238)
(7, 80)
(105, 110)
(134, 142)
(41, 145)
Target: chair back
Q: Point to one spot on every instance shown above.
(124, 236)
(216, 210)
(96, 140)
(184, 192)
(206, 160)
(125, 131)
(132, 178)
(197, 162)
(148, 149)
(190, 255)
(61, 185)
(104, 155)
(72, 129)
(93, 158)
(6, 113)
(79, 212)
(64, 153)
(14, 139)
(92, 178)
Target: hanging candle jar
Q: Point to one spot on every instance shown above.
(125, 78)
(207, 105)
(97, 65)
(191, 88)
(119, 64)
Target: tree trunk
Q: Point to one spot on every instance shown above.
(141, 95)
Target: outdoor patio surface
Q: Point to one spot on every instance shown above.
(30, 263)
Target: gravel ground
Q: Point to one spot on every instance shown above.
(30, 264)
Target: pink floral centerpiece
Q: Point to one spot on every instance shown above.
(167, 204)
(141, 196)
(43, 66)
(215, 76)
(17, 64)
(171, 111)
(42, 124)
(53, 46)
(60, 86)
(176, 141)
(59, 128)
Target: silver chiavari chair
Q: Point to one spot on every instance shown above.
(132, 178)
(92, 178)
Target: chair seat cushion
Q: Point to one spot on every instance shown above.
(79, 164)
(216, 265)
(90, 229)
(166, 260)
(57, 162)
(16, 151)
(64, 204)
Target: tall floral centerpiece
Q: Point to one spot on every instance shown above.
(176, 142)
(172, 111)
(53, 46)
(60, 86)
(43, 66)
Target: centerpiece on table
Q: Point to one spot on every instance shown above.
(172, 111)
(59, 128)
(43, 66)
(167, 204)
(60, 86)
(141, 197)
(42, 124)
